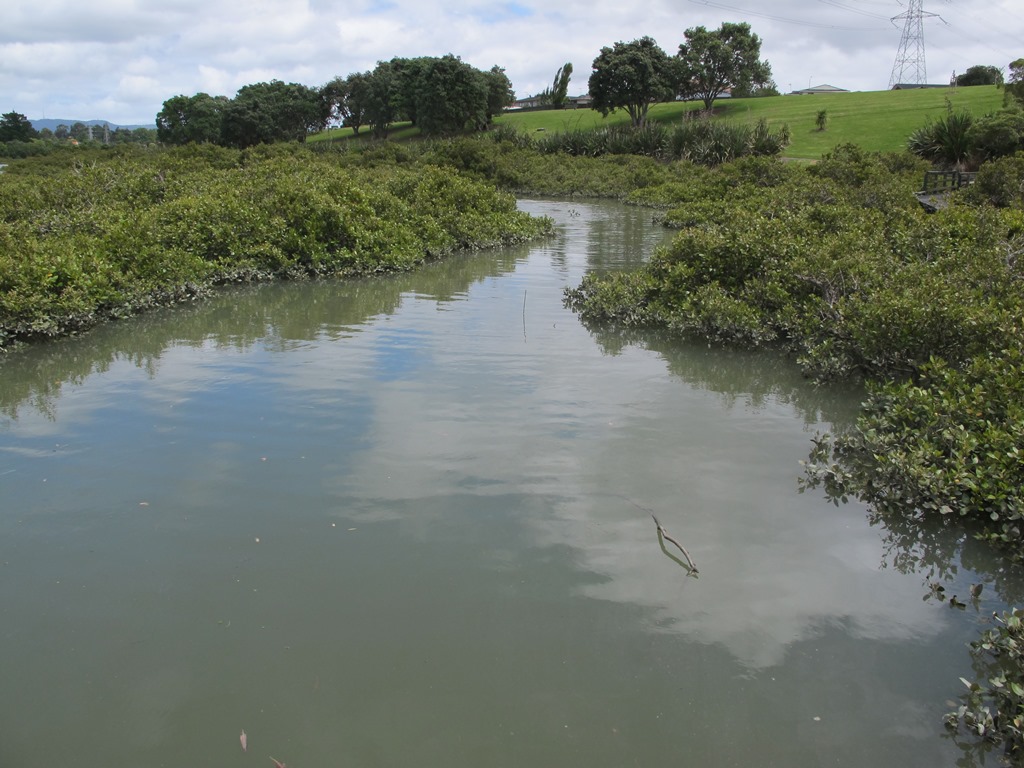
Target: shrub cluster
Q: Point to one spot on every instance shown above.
(701, 140)
(121, 232)
(960, 140)
(835, 261)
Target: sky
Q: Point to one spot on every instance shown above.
(119, 60)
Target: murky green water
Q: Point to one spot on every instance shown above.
(402, 522)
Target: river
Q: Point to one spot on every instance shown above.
(406, 522)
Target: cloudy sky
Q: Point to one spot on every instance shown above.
(118, 60)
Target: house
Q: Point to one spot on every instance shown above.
(824, 88)
(537, 102)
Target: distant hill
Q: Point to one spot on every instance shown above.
(52, 124)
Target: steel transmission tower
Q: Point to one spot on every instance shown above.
(909, 66)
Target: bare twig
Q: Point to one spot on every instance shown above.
(665, 535)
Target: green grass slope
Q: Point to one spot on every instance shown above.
(874, 120)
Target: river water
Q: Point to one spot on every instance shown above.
(406, 522)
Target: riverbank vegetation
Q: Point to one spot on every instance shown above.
(126, 231)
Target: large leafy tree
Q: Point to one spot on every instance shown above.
(14, 126)
(411, 77)
(379, 98)
(499, 92)
(346, 99)
(727, 57)
(980, 74)
(263, 113)
(1015, 83)
(191, 119)
(632, 76)
(79, 131)
(452, 96)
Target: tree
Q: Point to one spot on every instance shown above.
(79, 131)
(346, 100)
(632, 76)
(353, 114)
(980, 75)
(560, 87)
(727, 57)
(1015, 83)
(499, 92)
(410, 78)
(263, 113)
(191, 119)
(14, 126)
(452, 96)
(379, 98)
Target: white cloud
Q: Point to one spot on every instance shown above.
(67, 60)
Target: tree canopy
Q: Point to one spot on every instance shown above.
(632, 76)
(1015, 83)
(500, 95)
(263, 113)
(258, 114)
(980, 74)
(559, 91)
(14, 126)
(449, 95)
(441, 95)
(195, 119)
(728, 57)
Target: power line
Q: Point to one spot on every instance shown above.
(783, 19)
(836, 4)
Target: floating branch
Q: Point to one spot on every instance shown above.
(665, 535)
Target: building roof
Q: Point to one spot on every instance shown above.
(824, 88)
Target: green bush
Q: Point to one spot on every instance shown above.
(946, 140)
(113, 233)
(999, 183)
(997, 135)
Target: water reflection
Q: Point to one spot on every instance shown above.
(406, 521)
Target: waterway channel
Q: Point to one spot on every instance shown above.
(406, 522)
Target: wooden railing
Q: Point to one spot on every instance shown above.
(946, 181)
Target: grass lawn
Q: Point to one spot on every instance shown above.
(875, 120)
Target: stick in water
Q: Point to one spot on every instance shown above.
(664, 534)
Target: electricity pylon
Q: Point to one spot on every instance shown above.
(909, 66)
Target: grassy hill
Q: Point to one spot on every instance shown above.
(875, 120)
